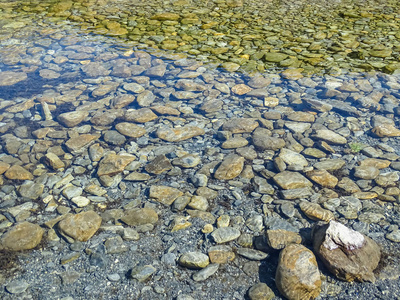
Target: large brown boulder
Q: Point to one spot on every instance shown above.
(348, 254)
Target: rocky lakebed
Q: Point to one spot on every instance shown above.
(186, 150)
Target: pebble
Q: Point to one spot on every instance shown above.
(225, 234)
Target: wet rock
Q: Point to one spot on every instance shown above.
(262, 140)
(95, 69)
(280, 238)
(291, 180)
(386, 130)
(240, 125)
(365, 172)
(330, 164)
(130, 130)
(159, 165)
(252, 254)
(187, 161)
(113, 164)
(142, 115)
(230, 167)
(71, 119)
(10, 77)
(293, 158)
(123, 100)
(235, 142)
(194, 260)
(18, 173)
(31, 190)
(146, 98)
(164, 194)
(179, 133)
(80, 227)
(330, 136)
(17, 286)
(199, 203)
(115, 245)
(323, 178)
(78, 144)
(23, 236)
(297, 275)
(316, 212)
(348, 254)
(54, 161)
(241, 89)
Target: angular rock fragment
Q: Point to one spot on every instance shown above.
(18, 173)
(230, 167)
(240, 125)
(164, 194)
(348, 254)
(80, 227)
(113, 164)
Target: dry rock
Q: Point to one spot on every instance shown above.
(348, 254)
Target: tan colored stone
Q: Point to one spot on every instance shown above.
(386, 130)
(113, 164)
(77, 144)
(297, 276)
(140, 216)
(54, 161)
(316, 212)
(142, 115)
(291, 180)
(23, 236)
(3, 167)
(10, 77)
(375, 162)
(240, 125)
(280, 238)
(71, 119)
(130, 129)
(164, 194)
(178, 134)
(241, 89)
(18, 173)
(323, 178)
(122, 100)
(221, 254)
(230, 168)
(20, 107)
(80, 227)
(235, 142)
